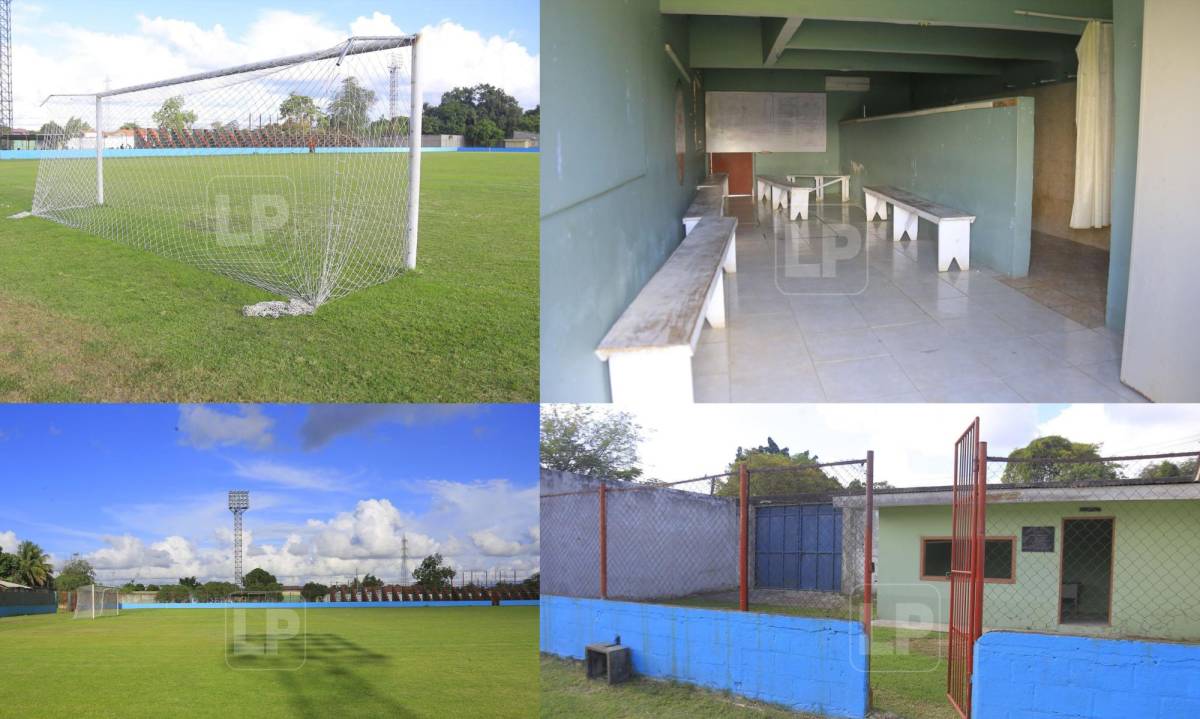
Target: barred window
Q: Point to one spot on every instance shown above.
(999, 559)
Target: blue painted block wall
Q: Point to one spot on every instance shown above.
(1036, 676)
(813, 665)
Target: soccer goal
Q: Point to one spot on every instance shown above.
(300, 175)
(96, 600)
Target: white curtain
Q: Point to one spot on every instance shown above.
(1094, 128)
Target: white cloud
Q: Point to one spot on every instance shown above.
(1126, 430)
(204, 427)
(913, 444)
(8, 541)
(318, 478)
(500, 521)
(59, 55)
(493, 545)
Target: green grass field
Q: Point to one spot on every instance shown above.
(398, 663)
(84, 318)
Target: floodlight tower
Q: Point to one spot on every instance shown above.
(394, 87)
(404, 559)
(239, 502)
(6, 93)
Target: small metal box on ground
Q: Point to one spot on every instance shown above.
(609, 660)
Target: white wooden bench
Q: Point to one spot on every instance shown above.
(709, 203)
(717, 179)
(954, 226)
(782, 193)
(820, 182)
(649, 349)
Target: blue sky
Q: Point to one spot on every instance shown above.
(71, 47)
(140, 490)
(513, 19)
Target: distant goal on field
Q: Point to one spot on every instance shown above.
(299, 175)
(96, 600)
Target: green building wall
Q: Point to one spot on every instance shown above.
(1154, 564)
(611, 201)
(1127, 94)
(979, 161)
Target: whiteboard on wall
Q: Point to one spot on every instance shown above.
(765, 121)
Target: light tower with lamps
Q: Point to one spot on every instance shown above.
(239, 502)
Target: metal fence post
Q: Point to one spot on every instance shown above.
(603, 541)
(743, 539)
(869, 544)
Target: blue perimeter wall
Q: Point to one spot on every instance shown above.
(814, 665)
(28, 609)
(210, 151)
(1035, 676)
(327, 605)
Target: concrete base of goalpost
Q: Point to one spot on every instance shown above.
(275, 309)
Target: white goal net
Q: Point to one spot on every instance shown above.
(96, 601)
(299, 175)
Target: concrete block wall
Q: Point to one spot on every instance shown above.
(976, 160)
(37, 601)
(1038, 676)
(20, 609)
(811, 665)
(662, 542)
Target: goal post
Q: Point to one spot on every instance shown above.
(97, 600)
(298, 175)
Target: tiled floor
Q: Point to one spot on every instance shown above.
(1068, 277)
(832, 310)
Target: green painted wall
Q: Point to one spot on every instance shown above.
(1154, 550)
(611, 201)
(888, 93)
(1127, 89)
(980, 161)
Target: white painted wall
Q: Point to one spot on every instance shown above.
(1162, 329)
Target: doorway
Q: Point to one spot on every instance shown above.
(740, 167)
(1087, 558)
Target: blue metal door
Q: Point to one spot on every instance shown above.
(798, 547)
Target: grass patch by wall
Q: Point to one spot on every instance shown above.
(87, 319)
(567, 692)
(396, 663)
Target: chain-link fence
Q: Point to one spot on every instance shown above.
(792, 537)
(1104, 546)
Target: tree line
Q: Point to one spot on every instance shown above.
(484, 115)
(30, 566)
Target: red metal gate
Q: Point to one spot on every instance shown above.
(966, 564)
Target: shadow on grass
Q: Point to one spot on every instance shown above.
(320, 673)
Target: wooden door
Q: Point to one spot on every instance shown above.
(740, 166)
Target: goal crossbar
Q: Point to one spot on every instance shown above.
(356, 45)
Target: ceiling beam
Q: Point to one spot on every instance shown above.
(994, 14)
(886, 62)
(913, 39)
(777, 32)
